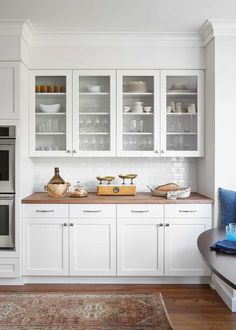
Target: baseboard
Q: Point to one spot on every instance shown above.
(116, 280)
(227, 293)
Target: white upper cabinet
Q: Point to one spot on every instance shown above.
(9, 90)
(51, 113)
(182, 106)
(94, 124)
(142, 113)
(138, 124)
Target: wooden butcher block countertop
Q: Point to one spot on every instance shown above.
(139, 198)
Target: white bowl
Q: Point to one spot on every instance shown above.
(50, 108)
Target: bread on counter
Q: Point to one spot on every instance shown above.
(168, 187)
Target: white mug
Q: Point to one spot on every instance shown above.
(168, 109)
(148, 109)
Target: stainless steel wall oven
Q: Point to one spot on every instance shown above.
(7, 187)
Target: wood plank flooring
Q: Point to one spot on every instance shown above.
(191, 307)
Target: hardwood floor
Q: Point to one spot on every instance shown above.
(191, 307)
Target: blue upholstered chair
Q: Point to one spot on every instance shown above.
(228, 206)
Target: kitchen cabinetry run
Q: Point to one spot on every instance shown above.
(143, 113)
(114, 240)
(9, 90)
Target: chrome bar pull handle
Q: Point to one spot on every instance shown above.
(44, 211)
(92, 211)
(187, 211)
(139, 211)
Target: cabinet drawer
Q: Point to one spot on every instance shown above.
(93, 211)
(188, 211)
(46, 211)
(140, 211)
(9, 267)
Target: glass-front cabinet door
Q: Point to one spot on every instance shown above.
(182, 113)
(94, 126)
(137, 113)
(51, 113)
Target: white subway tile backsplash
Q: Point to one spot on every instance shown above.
(151, 171)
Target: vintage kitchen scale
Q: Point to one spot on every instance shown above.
(124, 189)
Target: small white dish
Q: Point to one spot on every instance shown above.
(50, 108)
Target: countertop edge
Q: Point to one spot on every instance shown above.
(139, 198)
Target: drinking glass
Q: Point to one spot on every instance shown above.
(88, 125)
(55, 125)
(105, 125)
(133, 125)
(81, 125)
(97, 125)
(140, 126)
(231, 232)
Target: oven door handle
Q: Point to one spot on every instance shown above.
(6, 198)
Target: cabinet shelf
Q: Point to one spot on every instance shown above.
(95, 113)
(137, 133)
(137, 114)
(181, 133)
(88, 93)
(181, 94)
(50, 94)
(181, 114)
(50, 133)
(95, 133)
(137, 94)
(50, 114)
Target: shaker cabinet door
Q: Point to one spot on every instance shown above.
(93, 247)
(45, 246)
(9, 90)
(140, 247)
(182, 257)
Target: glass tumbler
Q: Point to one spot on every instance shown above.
(231, 232)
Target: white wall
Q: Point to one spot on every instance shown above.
(151, 171)
(206, 165)
(112, 57)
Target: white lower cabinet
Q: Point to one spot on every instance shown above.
(93, 247)
(182, 257)
(110, 240)
(139, 247)
(45, 246)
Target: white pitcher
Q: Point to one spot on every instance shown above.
(138, 107)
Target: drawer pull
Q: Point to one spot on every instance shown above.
(45, 211)
(64, 224)
(139, 211)
(71, 224)
(92, 211)
(187, 211)
(160, 224)
(167, 224)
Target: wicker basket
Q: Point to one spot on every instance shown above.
(183, 192)
(57, 190)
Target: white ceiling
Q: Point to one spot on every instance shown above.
(117, 15)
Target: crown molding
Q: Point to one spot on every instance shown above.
(115, 39)
(33, 38)
(216, 27)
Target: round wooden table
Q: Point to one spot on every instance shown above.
(222, 264)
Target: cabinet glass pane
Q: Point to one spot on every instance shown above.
(94, 113)
(181, 113)
(50, 113)
(138, 113)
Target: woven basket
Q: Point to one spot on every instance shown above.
(57, 190)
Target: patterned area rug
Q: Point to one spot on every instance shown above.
(57, 311)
